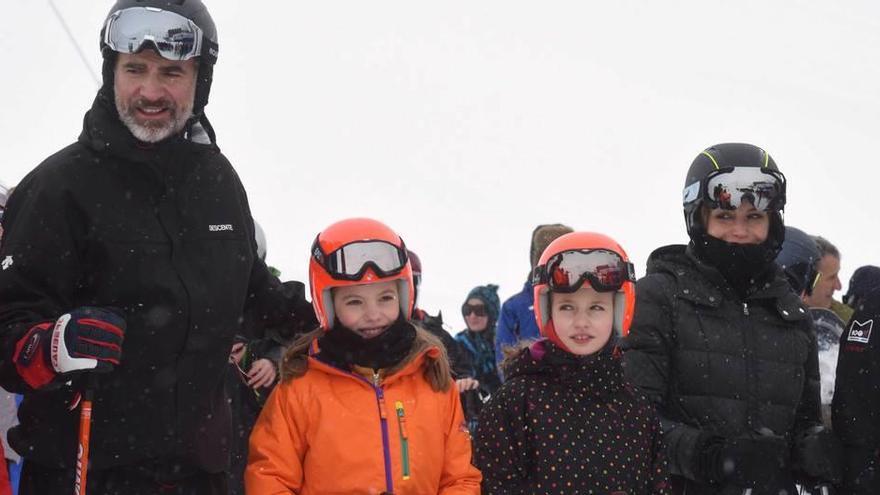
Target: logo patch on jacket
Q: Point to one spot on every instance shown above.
(220, 227)
(860, 332)
(7, 262)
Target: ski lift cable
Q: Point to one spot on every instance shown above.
(79, 50)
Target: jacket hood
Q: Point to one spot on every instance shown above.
(703, 284)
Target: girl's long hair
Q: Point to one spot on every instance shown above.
(436, 370)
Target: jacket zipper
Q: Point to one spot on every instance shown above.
(383, 418)
(751, 413)
(404, 438)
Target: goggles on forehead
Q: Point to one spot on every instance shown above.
(350, 262)
(729, 188)
(175, 37)
(567, 271)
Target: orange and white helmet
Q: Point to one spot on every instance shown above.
(357, 251)
(578, 258)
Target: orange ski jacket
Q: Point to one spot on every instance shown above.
(337, 432)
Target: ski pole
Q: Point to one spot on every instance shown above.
(85, 432)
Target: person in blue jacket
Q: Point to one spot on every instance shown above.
(517, 320)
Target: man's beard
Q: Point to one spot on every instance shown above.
(153, 131)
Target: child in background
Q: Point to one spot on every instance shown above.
(564, 421)
(367, 404)
(480, 313)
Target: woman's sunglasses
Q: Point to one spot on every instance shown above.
(476, 309)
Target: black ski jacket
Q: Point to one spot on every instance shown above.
(856, 405)
(164, 233)
(459, 359)
(562, 425)
(719, 365)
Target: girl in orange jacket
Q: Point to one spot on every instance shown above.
(367, 403)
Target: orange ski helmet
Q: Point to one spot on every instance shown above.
(357, 251)
(581, 258)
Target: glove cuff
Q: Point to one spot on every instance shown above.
(708, 457)
(31, 356)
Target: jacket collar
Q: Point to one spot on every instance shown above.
(597, 374)
(104, 132)
(389, 376)
(703, 284)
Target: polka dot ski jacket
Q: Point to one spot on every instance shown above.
(567, 425)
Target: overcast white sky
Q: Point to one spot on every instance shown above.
(464, 124)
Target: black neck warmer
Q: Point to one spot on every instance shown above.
(744, 266)
(342, 347)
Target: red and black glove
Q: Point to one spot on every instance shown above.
(86, 339)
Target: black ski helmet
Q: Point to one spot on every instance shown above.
(193, 10)
(799, 258)
(726, 157)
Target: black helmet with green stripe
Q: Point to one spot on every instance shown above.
(724, 175)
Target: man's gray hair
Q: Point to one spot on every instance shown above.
(825, 247)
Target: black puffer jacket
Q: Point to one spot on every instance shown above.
(567, 425)
(459, 359)
(717, 365)
(164, 233)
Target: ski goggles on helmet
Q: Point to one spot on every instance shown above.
(350, 262)
(731, 187)
(172, 35)
(567, 271)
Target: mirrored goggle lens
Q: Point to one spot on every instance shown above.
(605, 270)
(764, 189)
(175, 37)
(352, 260)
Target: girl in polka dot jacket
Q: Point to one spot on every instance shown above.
(565, 422)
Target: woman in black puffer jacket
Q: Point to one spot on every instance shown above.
(722, 344)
